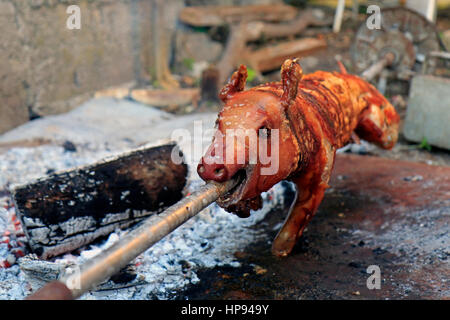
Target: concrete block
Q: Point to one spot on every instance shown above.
(428, 113)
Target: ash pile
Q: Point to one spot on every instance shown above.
(102, 128)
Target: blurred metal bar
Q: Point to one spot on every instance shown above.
(375, 69)
(337, 23)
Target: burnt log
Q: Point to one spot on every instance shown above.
(67, 210)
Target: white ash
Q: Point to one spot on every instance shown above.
(21, 165)
(363, 148)
(209, 239)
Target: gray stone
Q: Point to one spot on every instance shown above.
(195, 47)
(428, 113)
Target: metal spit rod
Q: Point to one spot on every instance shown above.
(113, 259)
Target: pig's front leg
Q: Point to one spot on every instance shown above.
(311, 185)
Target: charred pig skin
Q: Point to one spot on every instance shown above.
(312, 115)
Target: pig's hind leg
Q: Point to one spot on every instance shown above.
(311, 185)
(379, 125)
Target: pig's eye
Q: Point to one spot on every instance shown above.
(264, 132)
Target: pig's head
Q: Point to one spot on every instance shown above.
(253, 141)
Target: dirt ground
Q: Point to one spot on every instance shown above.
(391, 214)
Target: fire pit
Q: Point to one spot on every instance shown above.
(208, 240)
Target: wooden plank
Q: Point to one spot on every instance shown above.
(202, 16)
(272, 57)
(245, 32)
(163, 98)
(67, 210)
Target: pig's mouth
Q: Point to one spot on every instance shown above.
(238, 192)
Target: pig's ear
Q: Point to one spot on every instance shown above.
(291, 74)
(342, 67)
(235, 84)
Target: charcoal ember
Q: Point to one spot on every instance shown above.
(67, 210)
(33, 267)
(69, 146)
(11, 259)
(46, 271)
(12, 238)
(124, 276)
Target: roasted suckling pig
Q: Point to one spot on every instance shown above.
(290, 130)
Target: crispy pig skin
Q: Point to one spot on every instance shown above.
(315, 114)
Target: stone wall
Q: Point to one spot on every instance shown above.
(45, 68)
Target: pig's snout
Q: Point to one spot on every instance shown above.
(217, 172)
